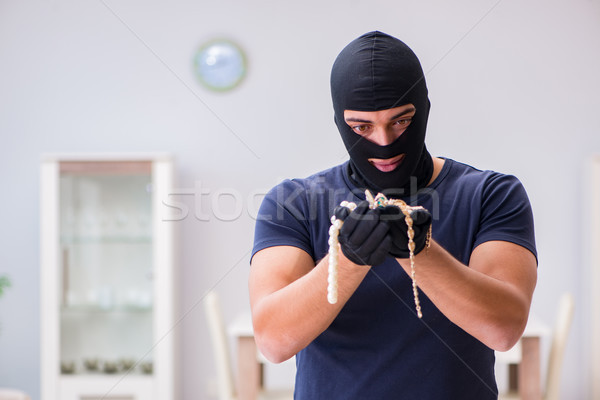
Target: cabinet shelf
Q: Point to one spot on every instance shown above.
(83, 309)
(107, 386)
(102, 375)
(112, 239)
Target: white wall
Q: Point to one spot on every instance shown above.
(514, 87)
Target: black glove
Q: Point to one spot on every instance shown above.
(399, 230)
(364, 236)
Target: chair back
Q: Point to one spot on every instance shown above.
(220, 345)
(557, 348)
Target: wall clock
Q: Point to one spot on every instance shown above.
(220, 65)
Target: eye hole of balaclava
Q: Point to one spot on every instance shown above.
(378, 72)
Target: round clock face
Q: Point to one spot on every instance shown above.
(220, 65)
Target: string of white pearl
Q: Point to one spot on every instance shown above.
(334, 248)
(379, 201)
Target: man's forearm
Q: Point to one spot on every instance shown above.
(288, 319)
(490, 303)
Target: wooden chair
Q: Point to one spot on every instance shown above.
(560, 333)
(222, 358)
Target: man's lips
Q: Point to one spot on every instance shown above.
(388, 164)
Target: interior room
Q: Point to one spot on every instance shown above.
(513, 88)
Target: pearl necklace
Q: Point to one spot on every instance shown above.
(379, 201)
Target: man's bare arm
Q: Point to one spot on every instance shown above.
(288, 297)
(490, 299)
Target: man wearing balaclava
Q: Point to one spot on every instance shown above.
(475, 280)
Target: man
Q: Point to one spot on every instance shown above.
(476, 279)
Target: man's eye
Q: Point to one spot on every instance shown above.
(404, 121)
(362, 129)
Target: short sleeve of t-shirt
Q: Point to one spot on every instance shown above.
(298, 212)
(282, 219)
(506, 213)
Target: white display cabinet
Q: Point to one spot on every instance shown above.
(107, 276)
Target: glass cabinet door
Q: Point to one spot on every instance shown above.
(106, 271)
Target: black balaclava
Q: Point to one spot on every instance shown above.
(377, 72)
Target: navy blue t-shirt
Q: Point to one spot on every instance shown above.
(377, 348)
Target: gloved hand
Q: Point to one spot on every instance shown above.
(399, 230)
(364, 236)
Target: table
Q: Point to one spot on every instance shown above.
(524, 361)
(249, 365)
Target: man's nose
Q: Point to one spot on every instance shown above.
(383, 136)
